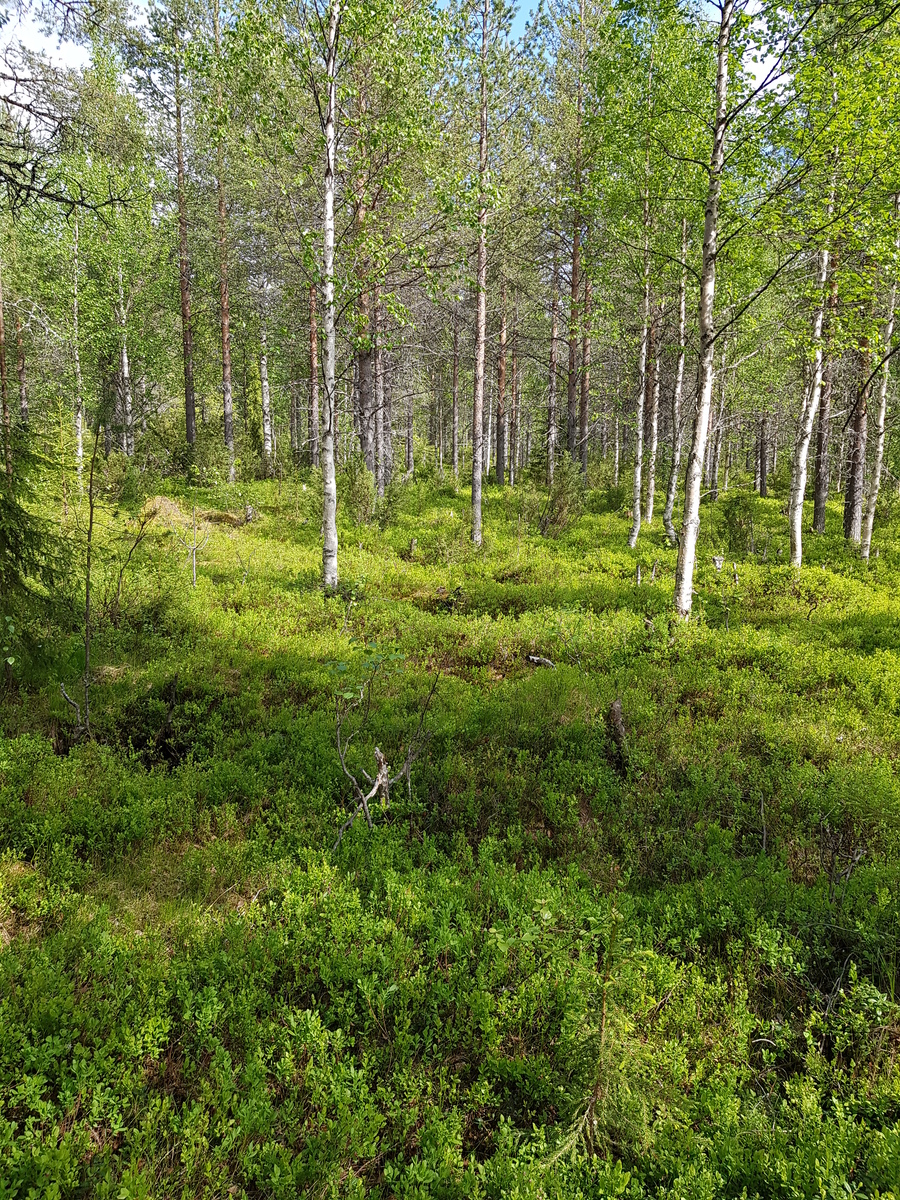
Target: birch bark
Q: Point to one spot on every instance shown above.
(266, 403)
(329, 479)
(4, 396)
(76, 351)
(502, 418)
(865, 544)
(20, 371)
(808, 412)
(690, 529)
(224, 302)
(481, 287)
(184, 268)
(313, 415)
(455, 390)
(676, 394)
(823, 430)
(551, 396)
(583, 409)
(637, 488)
(378, 367)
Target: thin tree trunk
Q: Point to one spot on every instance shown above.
(763, 456)
(584, 407)
(646, 332)
(487, 428)
(184, 269)
(127, 407)
(757, 433)
(87, 587)
(481, 286)
(329, 478)
(502, 416)
(856, 458)
(652, 431)
(4, 391)
(455, 389)
(387, 470)
(378, 363)
(266, 404)
(717, 451)
(616, 453)
(294, 415)
(690, 530)
(637, 489)
(440, 435)
(554, 351)
(224, 302)
(313, 417)
(572, 383)
(823, 430)
(676, 393)
(720, 429)
(575, 276)
(880, 416)
(20, 371)
(410, 461)
(225, 318)
(79, 388)
(808, 414)
(514, 404)
(125, 410)
(364, 378)
(141, 389)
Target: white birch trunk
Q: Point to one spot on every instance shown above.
(379, 400)
(639, 416)
(481, 287)
(865, 543)
(79, 388)
(807, 421)
(127, 432)
(554, 352)
(676, 394)
(455, 391)
(690, 529)
(329, 480)
(654, 438)
(266, 403)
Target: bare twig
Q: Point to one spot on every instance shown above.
(193, 546)
(383, 782)
(142, 530)
(79, 724)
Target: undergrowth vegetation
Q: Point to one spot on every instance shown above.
(562, 963)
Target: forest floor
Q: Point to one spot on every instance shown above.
(560, 964)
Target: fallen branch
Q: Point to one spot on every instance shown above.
(540, 662)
